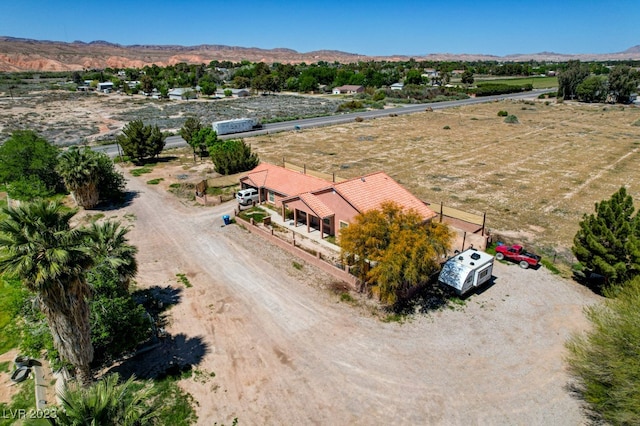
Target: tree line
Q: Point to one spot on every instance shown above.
(578, 81)
(303, 77)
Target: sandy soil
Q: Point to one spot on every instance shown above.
(285, 350)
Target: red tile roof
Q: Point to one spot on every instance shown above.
(363, 193)
(316, 205)
(369, 192)
(283, 181)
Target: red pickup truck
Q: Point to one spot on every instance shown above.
(517, 254)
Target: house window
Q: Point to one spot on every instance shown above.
(272, 197)
(484, 273)
(343, 224)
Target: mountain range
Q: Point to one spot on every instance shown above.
(20, 54)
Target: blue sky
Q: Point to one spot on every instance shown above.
(364, 27)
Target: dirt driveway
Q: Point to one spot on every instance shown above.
(285, 350)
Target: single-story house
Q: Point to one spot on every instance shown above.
(275, 183)
(397, 86)
(348, 89)
(328, 206)
(181, 93)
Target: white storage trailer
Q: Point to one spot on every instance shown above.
(233, 126)
(467, 270)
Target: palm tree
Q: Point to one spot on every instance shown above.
(38, 246)
(108, 402)
(79, 170)
(108, 243)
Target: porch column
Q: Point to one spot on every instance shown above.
(308, 222)
(321, 228)
(284, 209)
(295, 217)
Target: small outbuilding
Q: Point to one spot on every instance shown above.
(467, 270)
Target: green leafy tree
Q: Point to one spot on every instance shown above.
(569, 79)
(140, 141)
(111, 183)
(403, 250)
(232, 156)
(623, 80)
(413, 77)
(605, 360)
(592, 89)
(146, 84)
(190, 128)
(608, 242)
(307, 83)
(109, 402)
(29, 162)
(38, 246)
(118, 323)
(467, 77)
(203, 139)
(79, 169)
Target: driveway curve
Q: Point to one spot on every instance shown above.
(285, 350)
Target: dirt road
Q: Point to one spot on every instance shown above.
(285, 350)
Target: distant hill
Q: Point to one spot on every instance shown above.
(19, 54)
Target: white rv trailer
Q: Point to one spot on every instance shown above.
(467, 270)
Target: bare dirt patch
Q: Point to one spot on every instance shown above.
(534, 179)
(276, 345)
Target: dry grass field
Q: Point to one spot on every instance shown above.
(534, 179)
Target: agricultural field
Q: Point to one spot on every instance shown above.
(536, 81)
(534, 179)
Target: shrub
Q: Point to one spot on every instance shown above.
(502, 113)
(511, 119)
(447, 128)
(351, 105)
(359, 119)
(605, 360)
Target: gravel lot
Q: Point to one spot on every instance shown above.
(286, 350)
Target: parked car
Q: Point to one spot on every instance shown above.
(517, 253)
(247, 196)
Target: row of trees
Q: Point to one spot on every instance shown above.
(31, 167)
(304, 77)
(577, 81)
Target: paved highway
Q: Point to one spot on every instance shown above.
(177, 141)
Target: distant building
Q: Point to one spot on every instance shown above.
(348, 90)
(105, 87)
(397, 86)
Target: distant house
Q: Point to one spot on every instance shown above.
(328, 206)
(348, 89)
(397, 86)
(430, 73)
(181, 93)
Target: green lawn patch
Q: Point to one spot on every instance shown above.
(154, 181)
(12, 296)
(257, 213)
(536, 82)
(140, 171)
